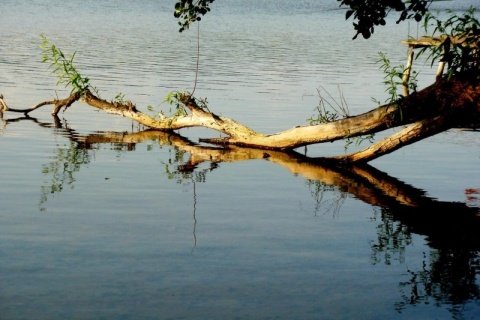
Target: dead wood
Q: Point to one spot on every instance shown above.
(439, 107)
(58, 104)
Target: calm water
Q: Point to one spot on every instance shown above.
(101, 220)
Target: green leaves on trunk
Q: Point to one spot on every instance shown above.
(460, 49)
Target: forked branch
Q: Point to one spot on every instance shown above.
(437, 108)
(58, 103)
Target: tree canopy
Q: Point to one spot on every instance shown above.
(369, 14)
(366, 14)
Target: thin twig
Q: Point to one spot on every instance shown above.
(198, 58)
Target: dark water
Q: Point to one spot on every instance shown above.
(101, 220)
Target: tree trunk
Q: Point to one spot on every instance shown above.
(439, 107)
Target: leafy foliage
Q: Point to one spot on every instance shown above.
(63, 67)
(177, 99)
(189, 11)
(369, 14)
(461, 42)
(357, 140)
(394, 78)
(120, 98)
(329, 109)
(174, 99)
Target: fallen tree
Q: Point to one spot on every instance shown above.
(453, 101)
(443, 105)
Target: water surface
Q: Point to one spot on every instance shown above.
(103, 220)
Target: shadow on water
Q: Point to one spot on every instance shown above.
(448, 273)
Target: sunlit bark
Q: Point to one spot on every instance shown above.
(434, 109)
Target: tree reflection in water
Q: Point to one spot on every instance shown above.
(392, 239)
(65, 163)
(449, 270)
(327, 197)
(448, 276)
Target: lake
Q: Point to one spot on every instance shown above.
(101, 219)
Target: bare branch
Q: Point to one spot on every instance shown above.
(67, 102)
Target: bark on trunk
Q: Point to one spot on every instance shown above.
(441, 106)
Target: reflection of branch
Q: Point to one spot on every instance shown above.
(327, 197)
(194, 214)
(64, 164)
(451, 228)
(364, 182)
(393, 238)
(443, 222)
(446, 276)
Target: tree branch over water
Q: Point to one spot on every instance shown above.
(452, 101)
(444, 105)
